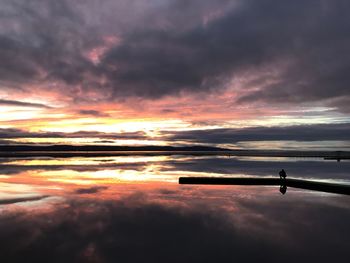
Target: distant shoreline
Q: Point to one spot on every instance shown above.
(95, 151)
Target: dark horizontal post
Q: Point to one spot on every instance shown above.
(229, 181)
(295, 183)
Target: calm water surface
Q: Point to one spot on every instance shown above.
(131, 209)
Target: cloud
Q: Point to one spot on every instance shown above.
(317, 132)
(93, 113)
(294, 52)
(21, 199)
(304, 133)
(22, 104)
(91, 190)
(13, 133)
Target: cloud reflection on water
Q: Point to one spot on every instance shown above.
(185, 228)
(92, 215)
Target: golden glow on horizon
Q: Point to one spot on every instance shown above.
(36, 121)
(18, 113)
(115, 125)
(183, 113)
(91, 141)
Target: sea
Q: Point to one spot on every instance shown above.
(131, 208)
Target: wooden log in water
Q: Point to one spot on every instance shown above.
(295, 183)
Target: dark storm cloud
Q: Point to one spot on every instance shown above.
(172, 46)
(22, 104)
(317, 132)
(268, 229)
(40, 40)
(311, 36)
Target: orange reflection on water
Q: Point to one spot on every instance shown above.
(99, 177)
(115, 176)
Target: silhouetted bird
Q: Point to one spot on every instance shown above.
(282, 174)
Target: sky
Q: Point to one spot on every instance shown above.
(169, 72)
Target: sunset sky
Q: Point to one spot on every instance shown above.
(172, 72)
